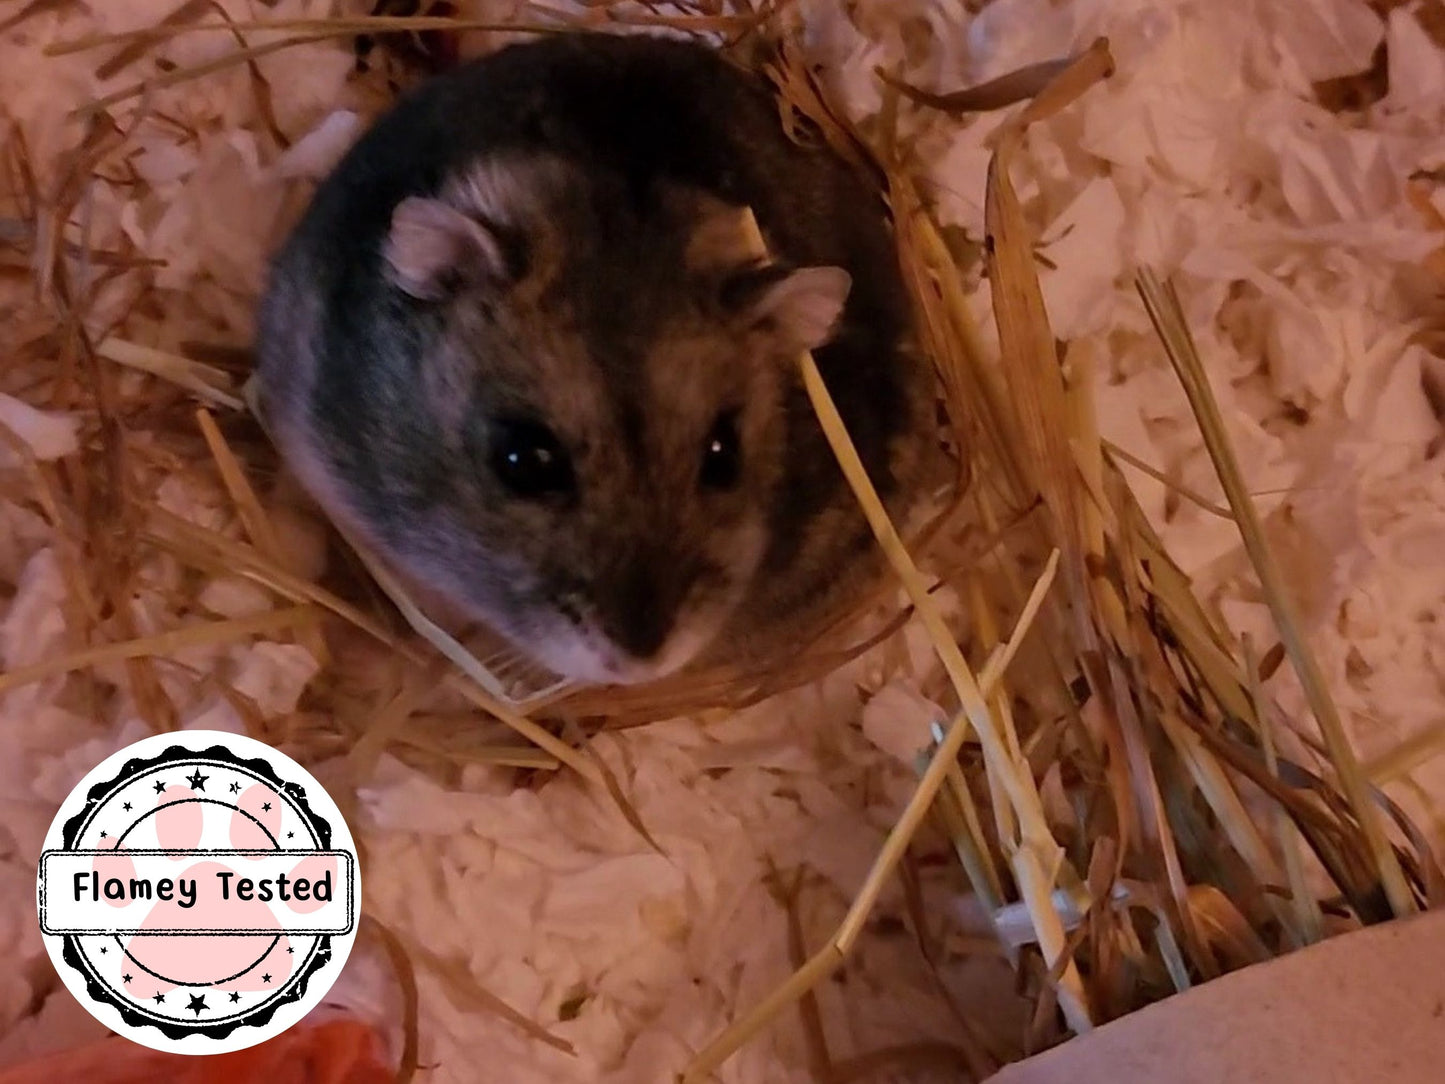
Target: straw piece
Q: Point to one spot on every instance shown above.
(1193, 496)
(944, 760)
(241, 560)
(1092, 66)
(200, 634)
(960, 816)
(253, 515)
(1038, 850)
(1007, 89)
(35, 7)
(351, 25)
(1397, 763)
(951, 336)
(316, 29)
(831, 957)
(1168, 318)
(136, 48)
(614, 790)
(496, 756)
(208, 383)
(383, 727)
(466, 993)
(1214, 784)
(1026, 342)
(822, 964)
(184, 75)
(405, 973)
(820, 1061)
(1309, 921)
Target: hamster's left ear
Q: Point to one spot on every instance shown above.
(801, 308)
(432, 247)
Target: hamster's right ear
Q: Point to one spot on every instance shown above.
(432, 247)
(800, 308)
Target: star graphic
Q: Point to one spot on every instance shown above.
(126, 978)
(266, 978)
(102, 835)
(290, 835)
(290, 952)
(197, 780)
(266, 807)
(103, 950)
(160, 787)
(160, 998)
(235, 788)
(235, 997)
(126, 807)
(198, 1002)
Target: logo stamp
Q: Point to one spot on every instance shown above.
(198, 892)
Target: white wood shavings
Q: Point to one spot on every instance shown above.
(235, 597)
(304, 83)
(56, 776)
(162, 164)
(899, 721)
(48, 435)
(17, 937)
(1010, 34)
(960, 179)
(1417, 78)
(34, 626)
(1288, 231)
(39, 735)
(1327, 39)
(1087, 236)
(217, 714)
(273, 675)
(180, 498)
(22, 533)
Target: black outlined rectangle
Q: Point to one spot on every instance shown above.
(346, 871)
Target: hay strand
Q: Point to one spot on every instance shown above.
(200, 634)
(1165, 312)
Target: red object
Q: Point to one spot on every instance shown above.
(335, 1052)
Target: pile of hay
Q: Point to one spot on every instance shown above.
(1130, 797)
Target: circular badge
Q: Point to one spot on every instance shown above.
(198, 892)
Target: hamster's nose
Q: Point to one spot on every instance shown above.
(640, 610)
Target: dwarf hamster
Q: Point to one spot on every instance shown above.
(518, 346)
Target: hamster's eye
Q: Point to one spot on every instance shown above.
(721, 453)
(529, 459)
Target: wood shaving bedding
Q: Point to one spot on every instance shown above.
(1301, 258)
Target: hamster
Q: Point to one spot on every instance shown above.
(517, 346)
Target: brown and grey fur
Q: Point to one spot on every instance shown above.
(554, 230)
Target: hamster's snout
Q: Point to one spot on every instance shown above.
(638, 609)
(647, 623)
(639, 644)
(649, 612)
